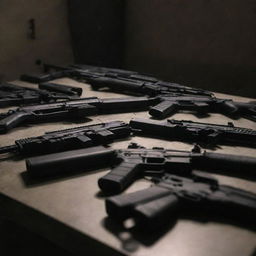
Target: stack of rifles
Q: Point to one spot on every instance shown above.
(177, 184)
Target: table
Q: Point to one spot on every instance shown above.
(70, 211)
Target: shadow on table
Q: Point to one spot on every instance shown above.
(132, 238)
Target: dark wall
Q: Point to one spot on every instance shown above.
(52, 43)
(97, 29)
(205, 43)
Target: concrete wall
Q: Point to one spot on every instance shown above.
(205, 43)
(18, 53)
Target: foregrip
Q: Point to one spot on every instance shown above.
(163, 109)
(12, 121)
(69, 161)
(119, 178)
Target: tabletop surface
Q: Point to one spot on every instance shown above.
(70, 211)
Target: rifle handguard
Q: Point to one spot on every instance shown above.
(226, 162)
(69, 161)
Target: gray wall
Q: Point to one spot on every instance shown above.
(18, 53)
(205, 43)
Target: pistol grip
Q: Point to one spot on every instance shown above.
(122, 206)
(119, 178)
(163, 109)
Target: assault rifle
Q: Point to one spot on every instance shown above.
(171, 97)
(115, 79)
(68, 139)
(172, 194)
(202, 105)
(120, 80)
(71, 109)
(136, 162)
(189, 131)
(13, 95)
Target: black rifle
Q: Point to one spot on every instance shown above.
(171, 97)
(202, 105)
(120, 80)
(71, 109)
(136, 162)
(13, 95)
(115, 79)
(68, 139)
(189, 131)
(173, 194)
